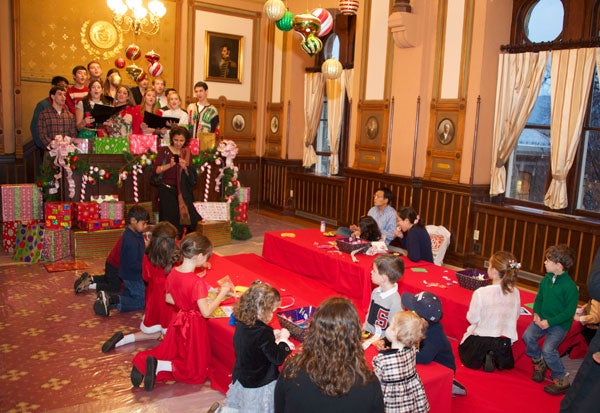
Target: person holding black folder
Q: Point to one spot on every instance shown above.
(139, 125)
(83, 109)
(175, 190)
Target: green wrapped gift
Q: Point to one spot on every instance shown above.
(111, 145)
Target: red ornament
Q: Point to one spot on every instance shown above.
(106, 175)
(133, 52)
(120, 62)
(152, 56)
(74, 158)
(72, 166)
(155, 69)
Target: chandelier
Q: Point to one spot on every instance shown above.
(132, 16)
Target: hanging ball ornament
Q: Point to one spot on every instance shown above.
(286, 23)
(348, 7)
(152, 57)
(119, 63)
(331, 68)
(311, 45)
(155, 69)
(326, 21)
(306, 24)
(274, 9)
(134, 71)
(140, 77)
(133, 52)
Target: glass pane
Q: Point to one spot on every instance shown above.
(544, 22)
(589, 187)
(540, 114)
(595, 104)
(322, 167)
(332, 47)
(530, 163)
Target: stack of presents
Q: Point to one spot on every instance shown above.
(134, 143)
(33, 231)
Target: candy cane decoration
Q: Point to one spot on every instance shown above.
(83, 184)
(206, 166)
(136, 196)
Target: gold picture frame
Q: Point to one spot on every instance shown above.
(223, 57)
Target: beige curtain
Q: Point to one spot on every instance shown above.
(348, 75)
(572, 71)
(335, 114)
(519, 79)
(313, 106)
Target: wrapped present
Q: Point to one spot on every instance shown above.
(58, 214)
(213, 211)
(194, 146)
(146, 205)
(56, 244)
(243, 194)
(242, 210)
(83, 145)
(139, 143)
(112, 210)
(29, 243)
(21, 202)
(101, 224)
(96, 244)
(111, 145)
(219, 232)
(104, 198)
(9, 234)
(85, 211)
(206, 140)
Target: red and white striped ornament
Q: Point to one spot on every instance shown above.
(326, 21)
(348, 7)
(206, 166)
(136, 194)
(155, 69)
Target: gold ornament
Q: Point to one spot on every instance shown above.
(274, 9)
(306, 24)
(331, 68)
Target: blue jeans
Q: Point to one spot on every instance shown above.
(134, 296)
(549, 351)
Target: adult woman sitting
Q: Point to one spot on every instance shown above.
(414, 238)
(83, 117)
(330, 374)
(175, 191)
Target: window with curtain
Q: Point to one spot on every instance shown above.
(529, 175)
(322, 148)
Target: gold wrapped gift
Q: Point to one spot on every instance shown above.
(207, 140)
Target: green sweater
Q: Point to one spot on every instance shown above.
(557, 301)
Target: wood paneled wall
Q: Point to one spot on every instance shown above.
(318, 196)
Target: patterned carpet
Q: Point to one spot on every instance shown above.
(50, 343)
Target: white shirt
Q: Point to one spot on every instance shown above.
(493, 314)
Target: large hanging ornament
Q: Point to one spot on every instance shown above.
(312, 45)
(348, 7)
(274, 9)
(155, 69)
(326, 21)
(286, 23)
(134, 71)
(331, 68)
(306, 24)
(152, 56)
(133, 52)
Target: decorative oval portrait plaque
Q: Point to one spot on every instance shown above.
(238, 123)
(372, 127)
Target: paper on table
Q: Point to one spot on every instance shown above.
(417, 269)
(223, 311)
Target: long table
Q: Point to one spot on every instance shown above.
(301, 253)
(245, 268)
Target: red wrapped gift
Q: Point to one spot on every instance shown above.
(21, 202)
(139, 144)
(102, 224)
(85, 211)
(56, 244)
(194, 146)
(112, 210)
(58, 214)
(9, 234)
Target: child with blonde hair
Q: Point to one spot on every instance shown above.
(402, 388)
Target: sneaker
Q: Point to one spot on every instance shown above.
(488, 367)
(559, 386)
(101, 304)
(458, 389)
(82, 283)
(150, 376)
(539, 370)
(112, 342)
(136, 377)
(214, 408)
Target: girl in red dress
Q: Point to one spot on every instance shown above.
(161, 254)
(184, 353)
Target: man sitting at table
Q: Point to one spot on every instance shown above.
(382, 212)
(385, 300)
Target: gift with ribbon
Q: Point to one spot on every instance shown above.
(139, 143)
(60, 148)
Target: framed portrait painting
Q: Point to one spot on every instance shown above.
(223, 57)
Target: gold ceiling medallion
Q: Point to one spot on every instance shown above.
(101, 39)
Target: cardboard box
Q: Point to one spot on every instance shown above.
(95, 244)
(219, 232)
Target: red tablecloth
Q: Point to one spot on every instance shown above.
(304, 253)
(245, 268)
(301, 254)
